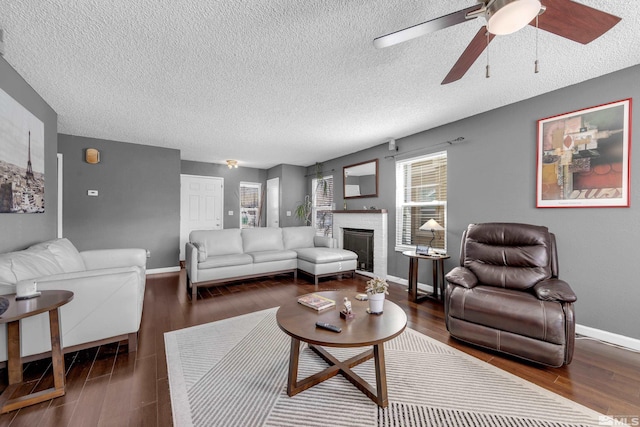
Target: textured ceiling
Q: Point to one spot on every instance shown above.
(280, 81)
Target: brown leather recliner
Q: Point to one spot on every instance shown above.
(506, 294)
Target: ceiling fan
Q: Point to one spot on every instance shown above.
(565, 18)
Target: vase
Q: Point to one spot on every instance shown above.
(376, 303)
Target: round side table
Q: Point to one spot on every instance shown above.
(49, 302)
(438, 275)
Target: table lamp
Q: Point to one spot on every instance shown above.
(433, 226)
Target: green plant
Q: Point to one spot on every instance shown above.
(377, 286)
(303, 210)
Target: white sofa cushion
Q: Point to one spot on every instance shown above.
(43, 259)
(31, 264)
(202, 251)
(222, 242)
(66, 255)
(262, 239)
(225, 261)
(6, 273)
(325, 255)
(268, 256)
(298, 237)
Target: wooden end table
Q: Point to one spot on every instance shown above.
(49, 301)
(365, 329)
(438, 275)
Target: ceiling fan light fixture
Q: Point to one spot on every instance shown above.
(232, 164)
(508, 16)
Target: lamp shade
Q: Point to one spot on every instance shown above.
(509, 16)
(431, 225)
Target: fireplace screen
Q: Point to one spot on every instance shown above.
(361, 242)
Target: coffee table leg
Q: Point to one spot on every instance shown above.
(57, 358)
(381, 375)
(293, 367)
(14, 362)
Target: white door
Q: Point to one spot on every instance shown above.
(201, 205)
(273, 202)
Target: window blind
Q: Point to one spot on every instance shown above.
(421, 195)
(323, 205)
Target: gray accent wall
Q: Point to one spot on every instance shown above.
(21, 230)
(138, 202)
(292, 191)
(232, 179)
(492, 177)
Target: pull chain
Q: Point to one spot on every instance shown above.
(537, 31)
(487, 75)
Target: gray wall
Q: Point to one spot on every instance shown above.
(22, 230)
(138, 203)
(292, 191)
(232, 179)
(492, 178)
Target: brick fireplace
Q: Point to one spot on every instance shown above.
(374, 220)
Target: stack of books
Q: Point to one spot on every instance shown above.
(316, 302)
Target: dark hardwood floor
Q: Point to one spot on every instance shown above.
(106, 386)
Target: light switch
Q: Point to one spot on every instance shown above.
(288, 213)
(230, 213)
(93, 193)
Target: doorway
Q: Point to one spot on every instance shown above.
(201, 206)
(273, 202)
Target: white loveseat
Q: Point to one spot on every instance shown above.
(108, 287)
(218, 256)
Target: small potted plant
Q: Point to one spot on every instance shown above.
(376, 289)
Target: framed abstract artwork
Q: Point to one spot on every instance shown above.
(21, 158)
(584, 156)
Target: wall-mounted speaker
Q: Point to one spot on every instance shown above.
(392, 145)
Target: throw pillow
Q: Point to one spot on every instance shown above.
(202, 251)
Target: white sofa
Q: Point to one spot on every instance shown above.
(108, 287)
(218, 256)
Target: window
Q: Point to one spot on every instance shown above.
(323, 205)
(421, 194)
(250, 204)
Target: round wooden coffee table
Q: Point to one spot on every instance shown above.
(299, 322)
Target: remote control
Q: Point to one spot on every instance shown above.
(328, 326)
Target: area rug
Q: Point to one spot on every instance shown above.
(233, 373)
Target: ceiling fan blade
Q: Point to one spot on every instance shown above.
(575, 21)
(469, 56)
(424, 28)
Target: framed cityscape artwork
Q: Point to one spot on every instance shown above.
(584, 156)
(21, 158)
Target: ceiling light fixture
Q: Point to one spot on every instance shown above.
(232, 164)
(508, 16)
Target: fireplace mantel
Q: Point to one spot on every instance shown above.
(361, 211)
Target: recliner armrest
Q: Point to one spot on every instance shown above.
(554, 290)
(462, 276)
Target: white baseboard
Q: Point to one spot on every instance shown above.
(587, 331)
(163, 270)
(609, 337)
(405, 282)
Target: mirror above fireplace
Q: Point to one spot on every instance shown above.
(360, 180)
